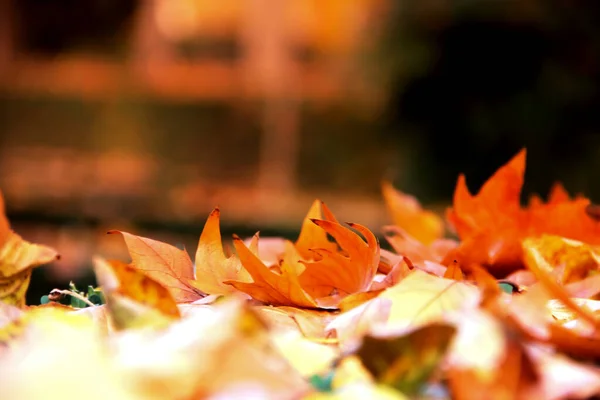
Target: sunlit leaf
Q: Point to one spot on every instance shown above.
(167, 264)
(337, 274)
(270, 286)
(213, 268)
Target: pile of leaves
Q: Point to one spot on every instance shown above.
(507, 311)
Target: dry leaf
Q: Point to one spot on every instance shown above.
(417, 252)
(423, 225)
(270, 286)
(134, 300)
(492, 223)
(213, 268)
(170, 266)
(336, 274)
(17, 258)
(313, 237)
(408, 361)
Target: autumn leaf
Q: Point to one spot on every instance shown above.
(135, 300)
(337, 274)
(167, 264)
(213, 268)
(423, 225)
(577, 259)
(492, 223)
(417, 252)
(454, 272)
(312, 236)
(407, 362)
(539, 265)
(17, 258)
(417, 300)
(270, 286)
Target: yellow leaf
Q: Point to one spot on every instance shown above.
(539, 265)
(577, 259)
(17, 258)
(134, 299)
(306, 356)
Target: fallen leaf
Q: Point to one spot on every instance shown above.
(213, 268)
(17, 258)
(269, 286)
(134, 300)
(167, 264)
(407, 362)
(536, 263)
(423, 225)
(454, 272)
(417, 252)
(576, 258)
(492, 223)
(337, 274)
(313, 237)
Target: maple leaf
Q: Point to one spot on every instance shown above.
(492, 223)
(312, 236)
(407, 213)
(272, 287)
(134, 300)
(213, 268)
(417, 252)
(337, 274)
(167, 264)
(17, 258)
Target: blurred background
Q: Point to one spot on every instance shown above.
(143, 115)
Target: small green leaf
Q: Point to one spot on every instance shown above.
(97, 299)
(76, 303)
(324, 382)
(508, 287)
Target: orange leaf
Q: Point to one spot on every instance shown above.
(212, 266)
(454, 272)
(311, 236)
(405, 245)
(492, 223)
(170, 266)
(336, 274)
(269, 286)
(407, 213)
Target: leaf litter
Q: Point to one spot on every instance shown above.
(510, 309)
